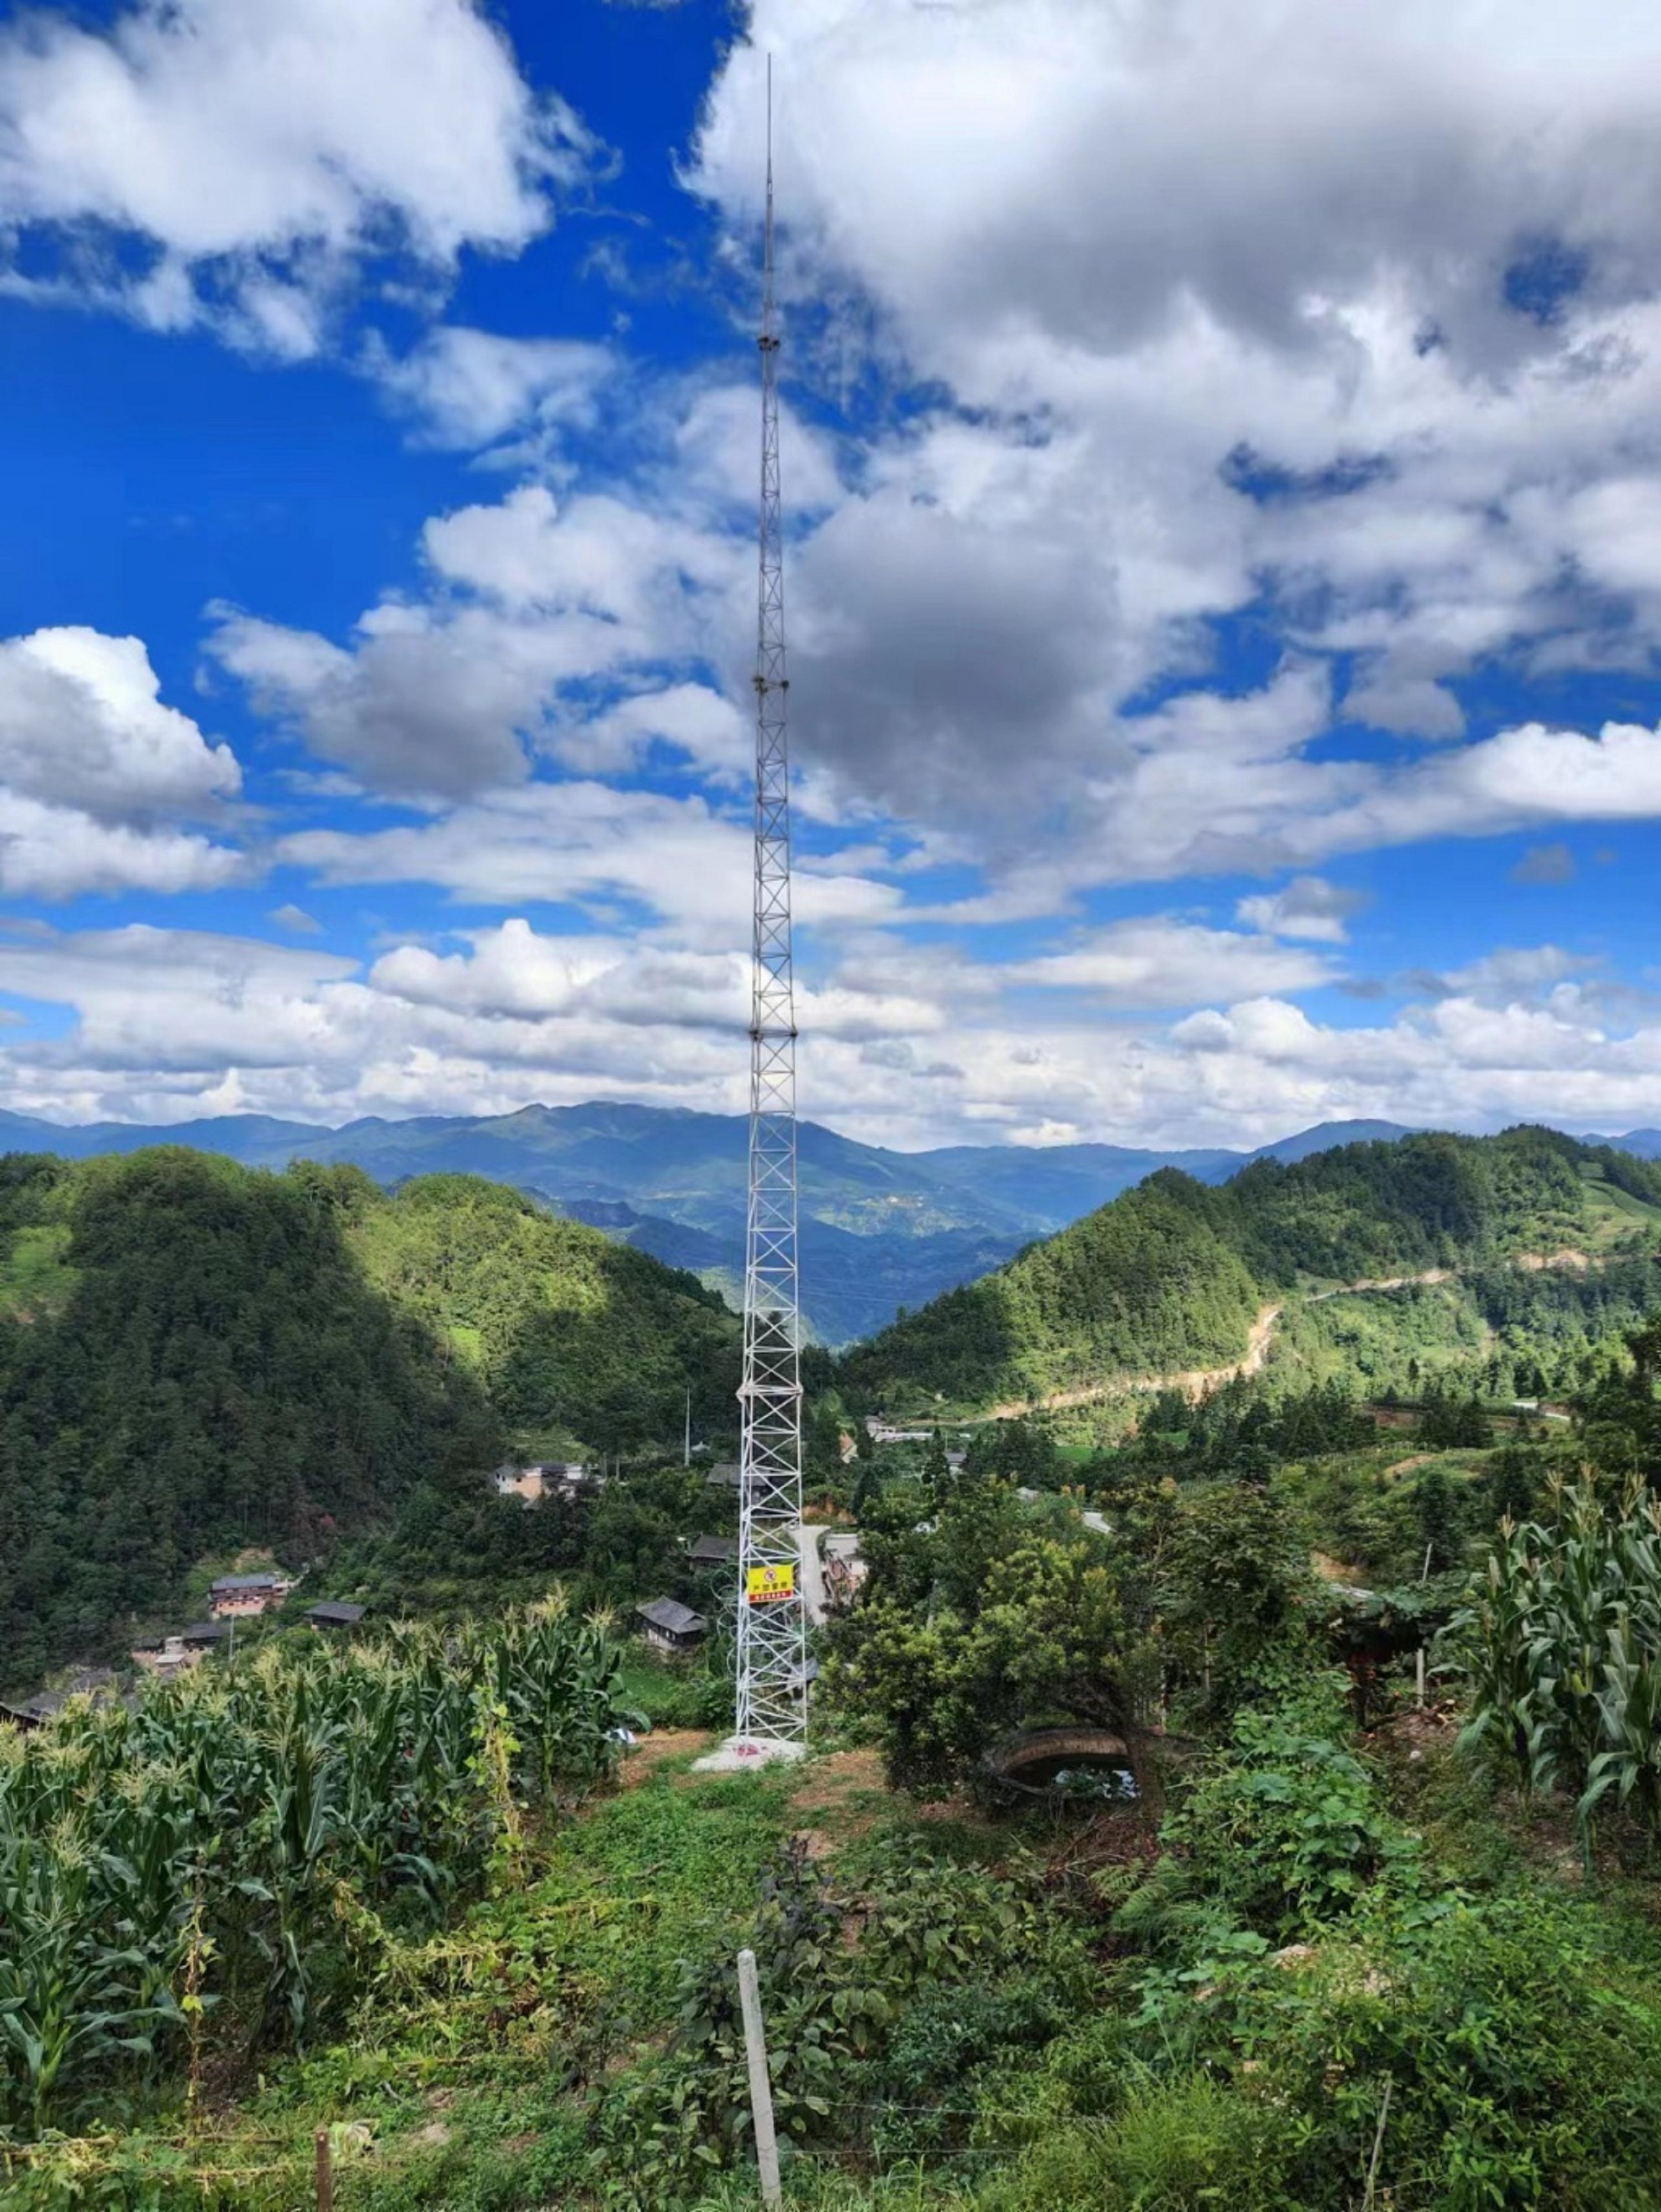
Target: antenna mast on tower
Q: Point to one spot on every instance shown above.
(772, 1691)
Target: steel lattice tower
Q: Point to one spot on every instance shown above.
(772, 1696)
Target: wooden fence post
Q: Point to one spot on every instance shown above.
(325, 2173)
(761, 2087)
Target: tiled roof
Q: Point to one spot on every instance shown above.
(675, 1619)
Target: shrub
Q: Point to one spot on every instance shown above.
(1171, 2147)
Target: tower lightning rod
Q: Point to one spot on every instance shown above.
(772, 1649)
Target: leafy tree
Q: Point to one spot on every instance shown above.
(1440, 1523)
(937, 1469)
(1513, 1482)
(1171, 1275)
(1231, 1587)
(1019, 1451)
(1049, 1637)
(1451, 1424)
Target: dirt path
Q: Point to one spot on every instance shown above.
(1192, 1382)
(1196, 1382)
(1404, 1282)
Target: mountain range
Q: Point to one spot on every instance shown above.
(882, 1231)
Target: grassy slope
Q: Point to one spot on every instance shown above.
(460, 2085)
(563, 1327)
(1171, 1275)
(454, 2076)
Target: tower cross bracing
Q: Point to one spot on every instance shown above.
(772, 1708)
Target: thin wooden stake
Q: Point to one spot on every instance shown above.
(761, 2087)
(325, 2173)
(1377, 2146)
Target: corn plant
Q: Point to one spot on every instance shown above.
(214, 1844)
(1561, 1645)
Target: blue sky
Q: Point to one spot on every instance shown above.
(1224, 561)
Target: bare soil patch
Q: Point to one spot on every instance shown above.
(651, 1751)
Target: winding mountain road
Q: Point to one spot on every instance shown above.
(1196, 1382)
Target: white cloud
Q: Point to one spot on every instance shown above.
(82, 723)
(1307, 907)
(94, 772)
(570, 628)
(1158, 962)
(468, 388)
(903, 1045)
(586, 844)
(1326, 365)
(255, 151)
(1545, 864)
(58, 852)
(425, 706)
(689, 718)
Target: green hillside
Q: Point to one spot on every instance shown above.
(196, 1356)
(1172, 1275)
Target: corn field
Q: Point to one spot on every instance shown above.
(238, 1844)
(1561, 1646)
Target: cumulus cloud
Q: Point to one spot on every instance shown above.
(82, 723)
(514, 972)
(571, 628)
(899, 1045)
(469, 388)
(424, 706)
(230, 163)
(586, 844)
(1161, 963)
(1308, 907)
(1383, 365)
(95, 773)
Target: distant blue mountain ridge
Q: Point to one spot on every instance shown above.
(880, 1230)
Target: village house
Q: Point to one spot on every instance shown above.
(237, 1597)
(713, 1551)
(206, 1635)
(97, 1683)
(165, 1655)
(844, 1570)
(669, 1627)
(543, 1479)
(334, 1614)
(725, 1474)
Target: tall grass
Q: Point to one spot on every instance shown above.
(239, 1842)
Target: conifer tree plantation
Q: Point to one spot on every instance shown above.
(1239, 1787)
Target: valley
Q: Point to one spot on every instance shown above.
(881, 1230)
(443, 1881)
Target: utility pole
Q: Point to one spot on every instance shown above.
(772, 1694)
(686, 1449)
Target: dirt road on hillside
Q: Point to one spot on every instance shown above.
(1192, 1382)
(1197, 1382)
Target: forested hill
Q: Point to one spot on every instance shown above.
(195, 1355)
(1172, 1275)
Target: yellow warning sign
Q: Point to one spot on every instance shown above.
(767, 1585)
